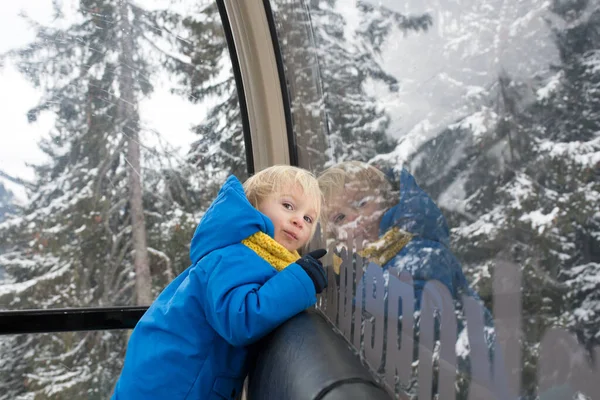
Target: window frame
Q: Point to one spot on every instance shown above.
(268, 137)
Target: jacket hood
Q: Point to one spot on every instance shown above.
(229, 220)
(416, 213)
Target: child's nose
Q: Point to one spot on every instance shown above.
(351, 216)
(297, 220)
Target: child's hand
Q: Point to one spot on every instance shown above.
(314, 268)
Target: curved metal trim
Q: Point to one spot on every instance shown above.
(261, 81)
(287, 104)
(237, 73)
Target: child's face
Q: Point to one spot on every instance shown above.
(293, 216)
(356, 212)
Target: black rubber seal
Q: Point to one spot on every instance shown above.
(237, 73)
(69, 319)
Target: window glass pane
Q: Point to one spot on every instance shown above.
(479, 123)
(121, 121)
(75, 365)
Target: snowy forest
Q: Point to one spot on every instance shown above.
(491, 105)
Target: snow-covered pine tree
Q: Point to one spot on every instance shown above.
(80, 241)
(357, 124)
(7, 206)
(525, 180)
(208, 77)
(6, 201)
(328, 66)
(572, 163)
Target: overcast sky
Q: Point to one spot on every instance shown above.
(17, 96)
(170, 115)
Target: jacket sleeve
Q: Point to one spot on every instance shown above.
(246, 298)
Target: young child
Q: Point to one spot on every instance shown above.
(246, 278)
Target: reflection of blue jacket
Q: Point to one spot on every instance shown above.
(427, 256)
(190, 344)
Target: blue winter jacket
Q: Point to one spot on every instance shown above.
(427, 256)
(191, 343)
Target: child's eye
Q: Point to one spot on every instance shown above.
(308, 219)
(288, 206)
(363, 202)
(339, 218)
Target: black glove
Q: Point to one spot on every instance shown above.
(312, 266)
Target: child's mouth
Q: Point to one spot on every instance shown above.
(290, 235)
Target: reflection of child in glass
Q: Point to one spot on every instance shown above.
(401, 229)
(397, 229)
(246, 278)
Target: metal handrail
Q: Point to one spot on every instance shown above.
(304, 359)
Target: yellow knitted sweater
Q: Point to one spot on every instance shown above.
(271, 251)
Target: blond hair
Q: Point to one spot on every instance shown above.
(277, 179)
(333, 181)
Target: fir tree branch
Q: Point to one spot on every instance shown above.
(18, 181)
(104, 167)
(122, 279)
(168, 267)
(163, 52)
(127, 286)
